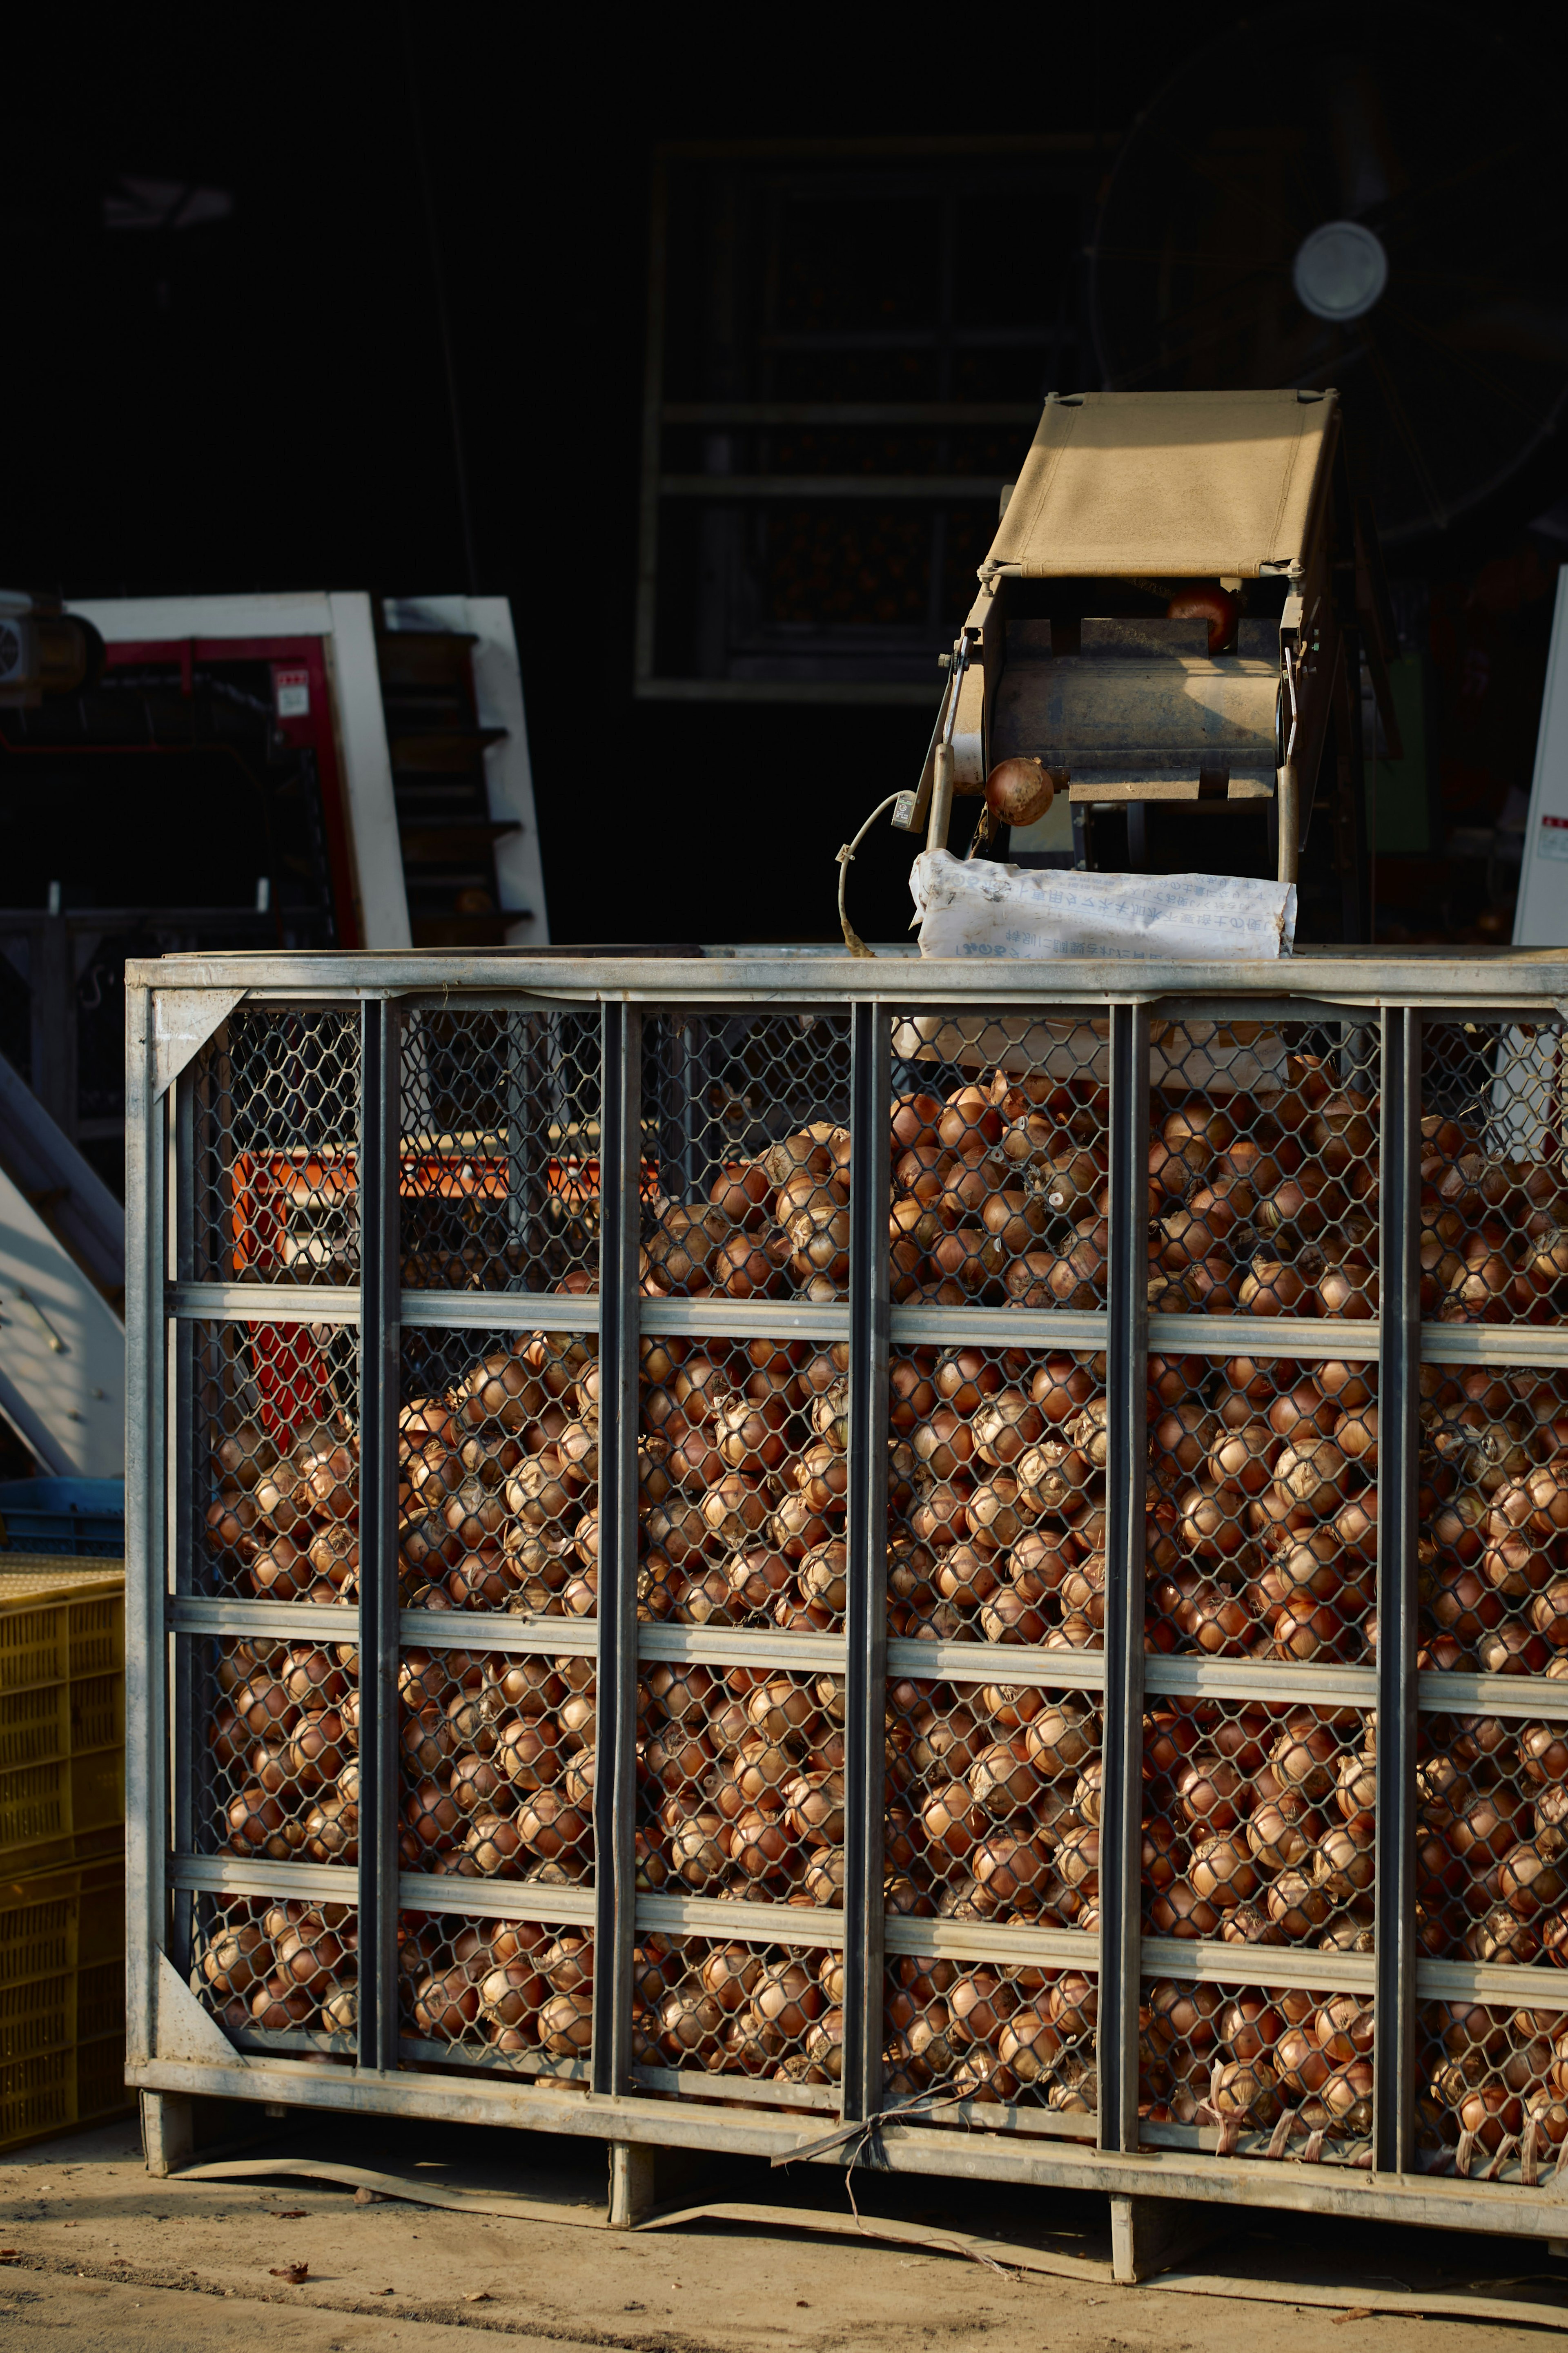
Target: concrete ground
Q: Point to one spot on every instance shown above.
(96, 2253)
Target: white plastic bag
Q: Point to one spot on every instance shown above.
(974, 907)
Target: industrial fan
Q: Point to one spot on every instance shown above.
(1365, 198)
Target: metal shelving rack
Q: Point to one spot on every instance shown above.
(181, 1013)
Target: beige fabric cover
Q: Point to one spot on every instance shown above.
(1186, 484)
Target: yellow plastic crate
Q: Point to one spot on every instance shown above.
(62, 1711)
(62, 2000)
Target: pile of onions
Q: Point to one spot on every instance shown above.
(1002, 1518)
(992, 1803)
(743, 1452)
(1493, 1575)
(283, 1519)
(1498, 2080)
(273, 1966)
(498, 1481)
(1289, 2057)
(1260, 1822)
(1491, 1855)
(779, 1223)
(1262, 1533)
(993, 2032)
(741, 1773)
(771, 2012)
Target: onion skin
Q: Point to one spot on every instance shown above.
(1019, 791)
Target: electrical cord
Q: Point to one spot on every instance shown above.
(852, 940)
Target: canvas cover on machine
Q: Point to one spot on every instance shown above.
(1195, 485)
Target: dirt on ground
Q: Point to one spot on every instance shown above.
(96, 2252)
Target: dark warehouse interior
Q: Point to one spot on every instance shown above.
(250, 387)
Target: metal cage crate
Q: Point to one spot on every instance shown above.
(1073, 1703)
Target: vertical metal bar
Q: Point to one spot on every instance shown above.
(866, 1534)
(1398, 1408)
(614, 1794)
(380, 1347)
(145, 1732)
(190, 1758)
(1127, 1362)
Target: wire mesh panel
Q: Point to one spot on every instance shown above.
(1260, 1822)
(1493, 1580)
(746, 1156)
(1002, 2045)
(993, 1800)
(1260, 2071)
(280, 1974)
(1263, 1167)
(742, 2019)
(481, 1992)
(1492, 1203)
(499, 1166)
(498, 1471)
(276, 1778)
(1262, 1535)
(275, 1130)
(743, 1475)
(497, 1755)
(1000, 1141)
(1492, 2103)
(998, 1496)
(275, 1490)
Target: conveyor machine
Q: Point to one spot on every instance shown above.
(1172, 619)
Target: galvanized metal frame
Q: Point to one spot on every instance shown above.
(162, 1302)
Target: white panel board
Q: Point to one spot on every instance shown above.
(367, 772)
(1541, 917)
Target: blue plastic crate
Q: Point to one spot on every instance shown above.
(82, 1517)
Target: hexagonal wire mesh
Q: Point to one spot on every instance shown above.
(992, 2043)
(996, 1500)
(276, 1778)
(741, 1782)
(994, 1802)
(1263, 1168)
(1491, 1860)
(476, 1992)
(279, 1973)
(497, 1755)
(767, 2016)
(1494, 1510)
(275, 1494)
(1492, 1201)
(743, 1475)
(275, 1137)
(1271, 2071)
(746, 1156)
(498, 1471)
(1000, 1156)
(1492, 2097)
(1259, 1821)
(499, 1150)
(1262, 1509)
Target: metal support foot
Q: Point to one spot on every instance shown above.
(168, 2130)
(1153, 2234)
(634, 2183)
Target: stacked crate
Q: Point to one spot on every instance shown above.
(62, 1866)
